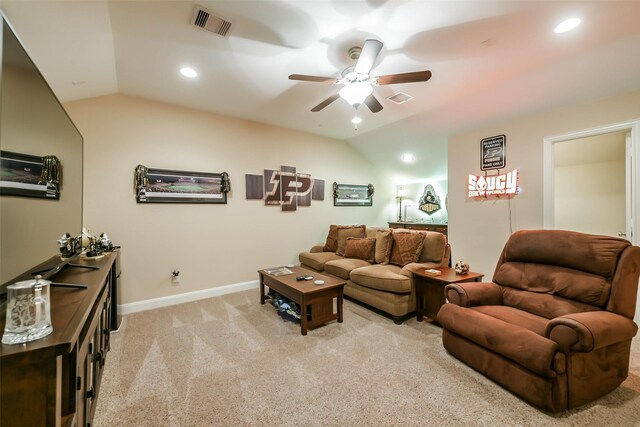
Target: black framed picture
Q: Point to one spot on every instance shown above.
(352, 195)
(30, 176)
(171, 186)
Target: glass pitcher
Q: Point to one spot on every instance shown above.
(28, 311)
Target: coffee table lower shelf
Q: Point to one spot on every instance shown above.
(315, 301)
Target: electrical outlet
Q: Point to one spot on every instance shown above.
(175, 277)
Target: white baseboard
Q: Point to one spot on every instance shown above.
(167, 301)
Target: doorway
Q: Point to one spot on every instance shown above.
(600, 209)
(590, 184)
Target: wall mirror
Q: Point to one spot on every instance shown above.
(34, 123)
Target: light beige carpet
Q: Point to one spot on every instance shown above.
(229, 361)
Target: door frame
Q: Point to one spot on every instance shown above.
(633, 127)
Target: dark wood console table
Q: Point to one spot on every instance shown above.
(54, 381)
(417, 225)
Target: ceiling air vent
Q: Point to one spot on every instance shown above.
(202, 18)
(400, 98)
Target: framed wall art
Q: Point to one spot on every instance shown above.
(286, 188)
(30, 176)
(171, 186)
(352, 195)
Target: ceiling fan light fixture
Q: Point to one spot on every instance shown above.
(188, 72)
(355, 93)
(356, 120)
(567, 25)
(408, 158)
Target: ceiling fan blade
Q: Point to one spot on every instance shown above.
(368, 56)
(414, 77)
(306, 78)
(326, 102)
(373, 103)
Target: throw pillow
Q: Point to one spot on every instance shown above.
(406, 248)
(383, 246)
(345, 233)
(361, 248)
(434, 247)
(331, 245)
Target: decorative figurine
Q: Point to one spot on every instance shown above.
(69, 246)
(105, 243)
(461, 267)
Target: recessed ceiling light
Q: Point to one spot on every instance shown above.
(188, 72)
(408, 158)
(567, 25)
(356, 120)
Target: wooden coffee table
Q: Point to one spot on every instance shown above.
(307, 294)
(430, 289)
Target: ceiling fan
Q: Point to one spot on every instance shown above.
(357, 81)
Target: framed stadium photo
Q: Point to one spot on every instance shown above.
(170, 186)
(30, 176)
(352, 195)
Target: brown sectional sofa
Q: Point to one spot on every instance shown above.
(384, 280)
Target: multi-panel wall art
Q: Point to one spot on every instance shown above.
(285, 187)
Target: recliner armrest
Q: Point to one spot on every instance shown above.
(317, 248)
(471, 294)
(590, 330)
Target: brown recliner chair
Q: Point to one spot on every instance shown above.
(555, 325)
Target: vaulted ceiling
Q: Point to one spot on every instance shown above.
(491, 60)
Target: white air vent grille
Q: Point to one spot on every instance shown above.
(400, 98)
(204, 19)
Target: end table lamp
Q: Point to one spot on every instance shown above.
(399, 197)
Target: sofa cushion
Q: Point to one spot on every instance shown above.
(389, 302)
(343, 267)
(331, 244)
(373, 231)
(433, 247)
(545, 305)
(551, 279)
(382, 277)
(514, 342)
(383, 246)
(344, 233)
(514, 316)
(586, 252)
(317, 260)
(361, 248)
(406, 248)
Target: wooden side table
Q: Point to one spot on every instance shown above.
(430, 289)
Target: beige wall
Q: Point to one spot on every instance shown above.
(212, 245)
(478, 229)
(590, 198)
(411, 203)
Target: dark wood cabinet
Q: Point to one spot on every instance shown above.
(55, 381)
(440, 228)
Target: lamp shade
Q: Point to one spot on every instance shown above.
(356, 92)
